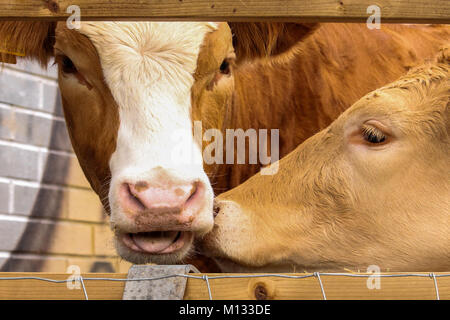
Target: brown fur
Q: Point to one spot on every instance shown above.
(263, 40)
(295, 77)
(34, 39)
(93, 120)
(303, 90)
(307, 75)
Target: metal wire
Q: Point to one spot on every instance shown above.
(317, 274)
(206, 278)
(435, 285)
(84, 288)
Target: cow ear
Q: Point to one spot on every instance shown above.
(28, 39)
(261, 39)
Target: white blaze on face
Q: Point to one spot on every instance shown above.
(149, 69)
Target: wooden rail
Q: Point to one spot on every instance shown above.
(335, 287)
(411, 11)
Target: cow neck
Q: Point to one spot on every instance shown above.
(269, 95)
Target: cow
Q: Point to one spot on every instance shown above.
(131, 89)
(372, 189)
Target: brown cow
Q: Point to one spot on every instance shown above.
(371, 189)
(131, 90)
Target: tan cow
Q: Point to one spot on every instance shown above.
(131, 91)
(371, 189)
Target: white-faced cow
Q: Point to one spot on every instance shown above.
(371, 189)
(129, 88)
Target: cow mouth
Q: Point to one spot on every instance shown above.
(157, 242)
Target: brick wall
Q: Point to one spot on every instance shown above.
(49, 216)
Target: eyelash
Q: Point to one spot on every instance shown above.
(373, 135)
(225, 67)
(67, 66)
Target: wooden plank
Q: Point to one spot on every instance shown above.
(335, 287)
(417, 11)
(42, 290)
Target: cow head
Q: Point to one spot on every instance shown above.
(372, 188)
(130, 94)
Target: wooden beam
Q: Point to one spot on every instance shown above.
(42, 290)
(411, 11)
(335, 287)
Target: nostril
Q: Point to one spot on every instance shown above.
(131, 191)
(192, 192)
(194, 198)
(216, 209)
(130, 198)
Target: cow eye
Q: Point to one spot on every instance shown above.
(225, 67)
(67, 65)
(373, 135)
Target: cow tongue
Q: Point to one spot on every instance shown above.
(154, 242)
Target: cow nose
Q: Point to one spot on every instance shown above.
(142, 197)
(216, 208)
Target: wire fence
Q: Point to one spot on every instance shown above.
(206, 278)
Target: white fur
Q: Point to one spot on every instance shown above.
(149, 69)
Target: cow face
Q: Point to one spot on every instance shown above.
(372, 188)
(126, 90)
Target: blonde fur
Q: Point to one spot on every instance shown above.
(339, 203)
